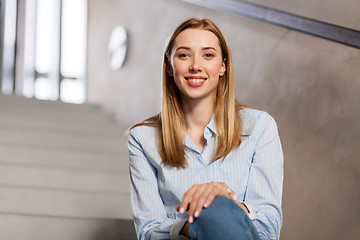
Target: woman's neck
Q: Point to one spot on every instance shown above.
(197, 115)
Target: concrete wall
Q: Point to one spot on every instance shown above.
(310, 85)
(341, 13)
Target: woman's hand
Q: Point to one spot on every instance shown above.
(200, 196)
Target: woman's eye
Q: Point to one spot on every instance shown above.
(183, 55)
(209, 55)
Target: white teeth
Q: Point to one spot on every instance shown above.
(196, 80)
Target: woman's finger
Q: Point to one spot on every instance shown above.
(184, 205)
(233, 196)
(219, 191)
(204, 196)
(224, 186)
(200, 196)
(197, 202)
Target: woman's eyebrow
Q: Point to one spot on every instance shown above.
(188, 48)
(209, 48)
(183, 47)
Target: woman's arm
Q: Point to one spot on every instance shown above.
(151, 221)
(265, 183)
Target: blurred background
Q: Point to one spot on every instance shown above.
(75, 74)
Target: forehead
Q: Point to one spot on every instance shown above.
(193, 37)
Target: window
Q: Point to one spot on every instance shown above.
(44, 50)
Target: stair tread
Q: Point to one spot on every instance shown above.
(62, 160)
(60, 179)
(62, 126)
(36, 103)
(95, 116)
(68, 140)
(58, 158)
(34, 227)
(64, 203)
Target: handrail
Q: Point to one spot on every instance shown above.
(313, 27)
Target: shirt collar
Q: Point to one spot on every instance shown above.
(209, 132)
(211, 125)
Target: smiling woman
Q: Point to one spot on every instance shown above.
(206, 167)
(196, 61)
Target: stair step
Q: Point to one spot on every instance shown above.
(45, 202)
(57, 158)
(42, 227)
(60, 179)
(61, 161)
(60, 125)
(63, 140)
(36, 104)
(95, 117)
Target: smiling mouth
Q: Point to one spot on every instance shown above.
(195, 80)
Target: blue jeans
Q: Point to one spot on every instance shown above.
(223, 220)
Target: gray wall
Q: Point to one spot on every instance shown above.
(342, 13)
(310, 85)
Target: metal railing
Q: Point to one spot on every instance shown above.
(313, 27)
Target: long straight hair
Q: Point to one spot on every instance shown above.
(171, 123)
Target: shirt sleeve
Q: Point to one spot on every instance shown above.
(150, 218)
(250, 208)
(264, 189)
(175, 230)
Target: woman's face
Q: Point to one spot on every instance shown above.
(197, 64)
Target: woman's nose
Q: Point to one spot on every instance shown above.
(195, 66)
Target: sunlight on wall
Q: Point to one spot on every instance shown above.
(46, 59)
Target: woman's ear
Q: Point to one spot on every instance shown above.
(223, 68)
(169, 70)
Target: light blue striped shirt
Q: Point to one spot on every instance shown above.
(254, 171)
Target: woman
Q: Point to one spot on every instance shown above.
(206, 167)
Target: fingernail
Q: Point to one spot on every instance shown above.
(206, 205)
(235, 197)
(228, 190)
(181, 210)
(191, 219)
(196, 214)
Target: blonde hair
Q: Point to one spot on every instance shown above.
(170, 122)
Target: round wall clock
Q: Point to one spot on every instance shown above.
(117, 48)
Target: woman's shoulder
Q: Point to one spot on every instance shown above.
(146, 130)
(143, 138)
(255, 120)
(254, 114)
(147, 127)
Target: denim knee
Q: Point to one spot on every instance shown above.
(223, 219)
(219, 212)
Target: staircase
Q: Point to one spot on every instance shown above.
(63, 172)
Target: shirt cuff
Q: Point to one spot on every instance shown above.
(252, 213)
(175, 230)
